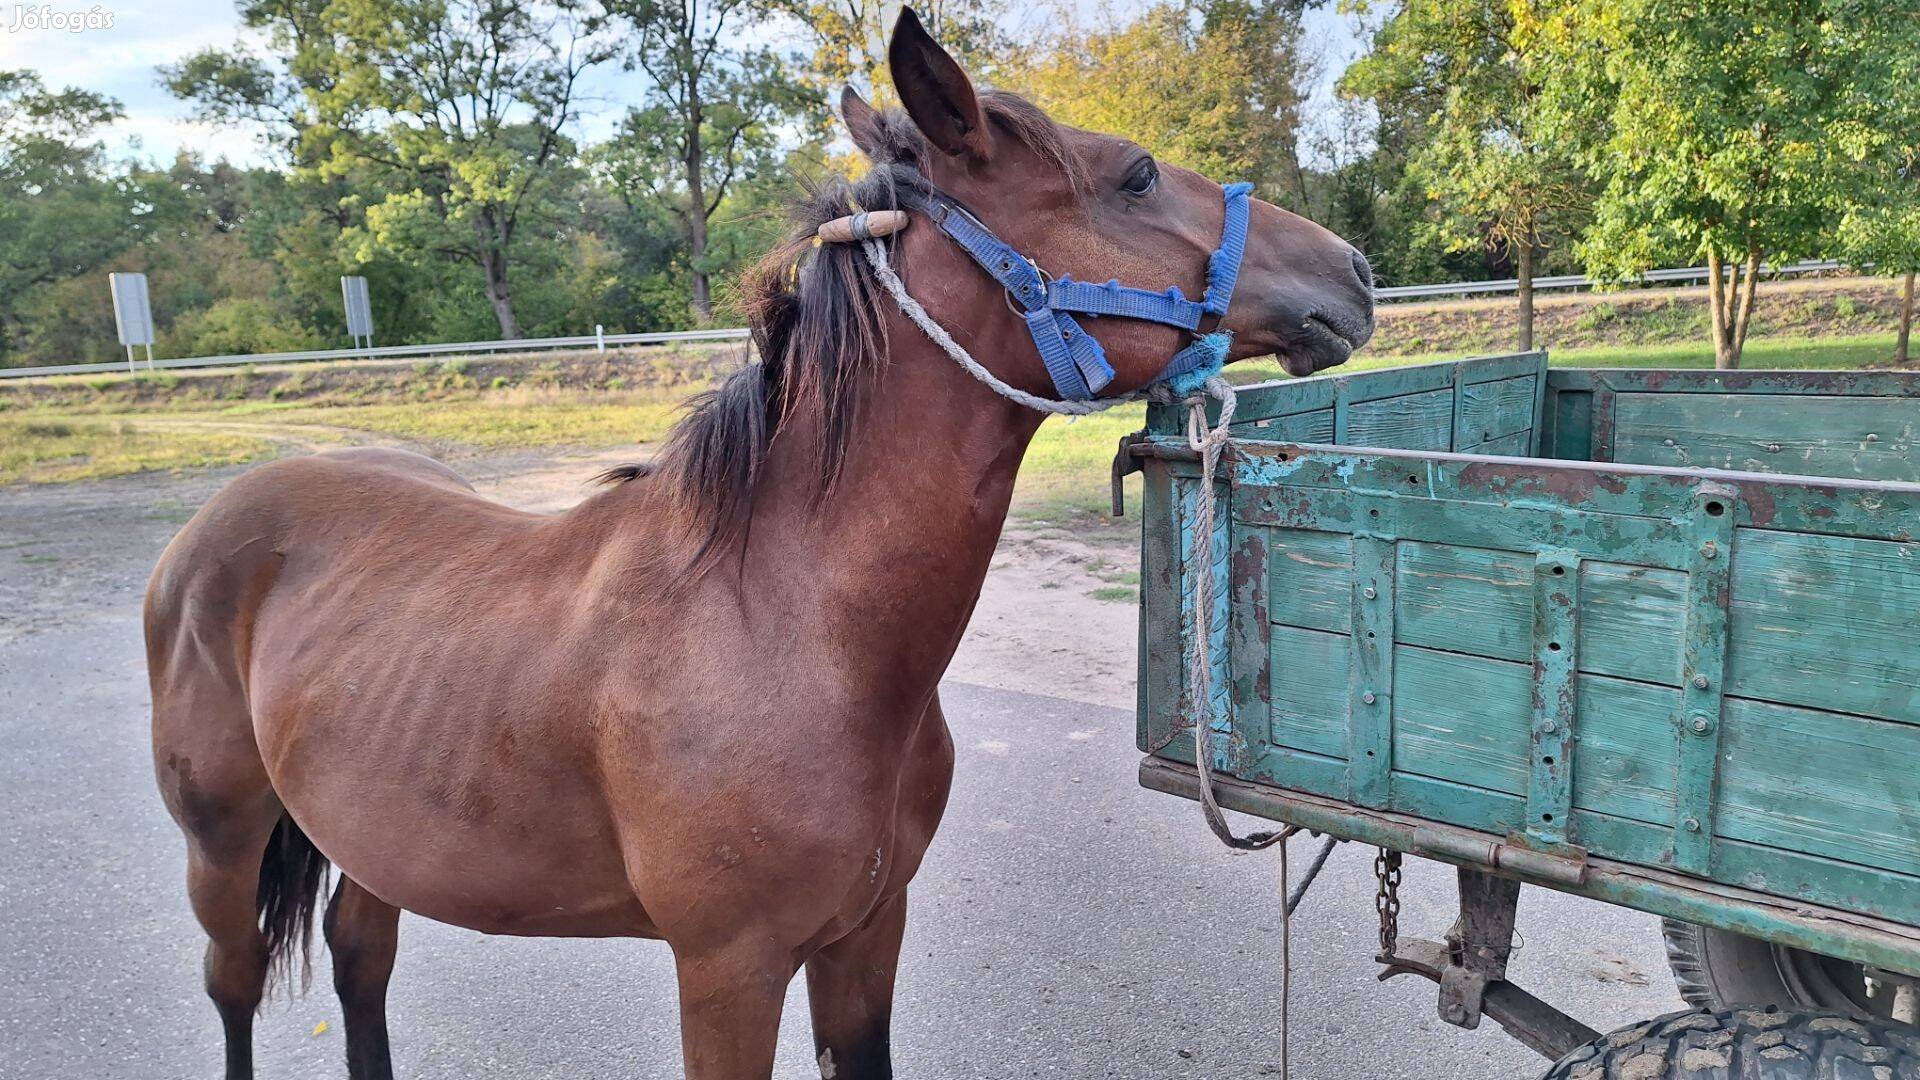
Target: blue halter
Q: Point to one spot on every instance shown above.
(1074, 357)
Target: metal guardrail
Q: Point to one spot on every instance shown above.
(1581, 281)
(394, 352)
(592, 341)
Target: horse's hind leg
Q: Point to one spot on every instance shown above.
(250, 871)
(850, 988)
(363, 933)
(223, 883)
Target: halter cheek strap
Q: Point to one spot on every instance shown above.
(1073, 357)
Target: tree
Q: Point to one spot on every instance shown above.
(463, 106)
(1882, 227)
(1208, 87)
(710, 118)
(63, 212)
(1491, 163)
(850, 40)
(1727, 130)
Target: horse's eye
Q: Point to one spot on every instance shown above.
(1142, 179)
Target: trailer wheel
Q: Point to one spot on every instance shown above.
(1716, 969)
(1748, 1044)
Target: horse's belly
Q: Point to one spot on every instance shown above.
(442, 823)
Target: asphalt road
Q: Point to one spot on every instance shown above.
(1067, 922)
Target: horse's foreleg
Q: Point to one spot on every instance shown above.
(730, 1002)
(850, 987)
(363, 933)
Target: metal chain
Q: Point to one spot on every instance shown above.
(1386, 899)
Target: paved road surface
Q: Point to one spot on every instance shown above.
(1067, 924)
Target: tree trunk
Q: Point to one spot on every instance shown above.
(1731, 289)
(702, 297)
(1900, 353)
(1743, 305)
(1526, 297)
(493, 263)
(1717, 309)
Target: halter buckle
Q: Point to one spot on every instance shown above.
(1007, 294)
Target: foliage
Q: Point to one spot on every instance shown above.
(1730, 131)
(62, 212)
(438, 148)
(1207, 87)
(711, 118)
(1492, 162)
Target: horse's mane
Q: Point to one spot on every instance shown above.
(815, 314)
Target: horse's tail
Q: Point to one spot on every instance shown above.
(293, 873)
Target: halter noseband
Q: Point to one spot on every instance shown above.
(1073, 357)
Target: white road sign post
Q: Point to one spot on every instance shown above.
(359, 311)
(132, 314)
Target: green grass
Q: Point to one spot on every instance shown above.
(1115, 594)
(49, 450)
(505, 420)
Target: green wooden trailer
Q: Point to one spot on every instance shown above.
(1651, 637)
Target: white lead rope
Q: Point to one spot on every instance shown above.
(882, 269)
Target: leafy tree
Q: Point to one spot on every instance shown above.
(1491, 162)
(850, 40)
(1727, 130)
(1208, 87)
(462, 105)
(1882, 226)
(63, 212)
(710, 118)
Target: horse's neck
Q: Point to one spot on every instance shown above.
(891, 562)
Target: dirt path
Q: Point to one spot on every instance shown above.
(1056, 617)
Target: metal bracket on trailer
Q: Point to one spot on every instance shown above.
(1471, 968)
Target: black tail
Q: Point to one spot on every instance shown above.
(292, 875)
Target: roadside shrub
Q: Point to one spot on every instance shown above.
(236, 326)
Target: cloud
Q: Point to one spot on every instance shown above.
(121, 61)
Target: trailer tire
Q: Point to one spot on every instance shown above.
(1718, 969)
(1748, 1044)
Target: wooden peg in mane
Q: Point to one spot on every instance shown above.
(867, 226)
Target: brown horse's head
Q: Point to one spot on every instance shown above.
(1098, 207)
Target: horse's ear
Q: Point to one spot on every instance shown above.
(936, 93)
(863, 123)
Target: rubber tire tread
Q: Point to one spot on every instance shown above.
(1748, 1044)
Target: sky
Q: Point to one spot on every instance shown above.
(120, 61)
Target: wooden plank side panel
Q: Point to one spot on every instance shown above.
(1308, 708)
(1311, 579)
(1827, 622)
(1493, 410)
(1828, 784)
(1421, 421)
(1478, 601)
(1862, 437)
(1518, 444)
(1307, 427)
(1465, 720)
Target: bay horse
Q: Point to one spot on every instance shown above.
(702, 705)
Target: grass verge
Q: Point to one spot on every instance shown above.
(52, 450)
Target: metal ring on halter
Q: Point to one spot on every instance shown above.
(1046, 279)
